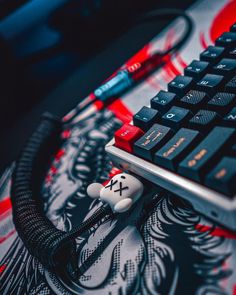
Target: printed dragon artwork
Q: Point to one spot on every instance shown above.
(160, 246)
(156, 248)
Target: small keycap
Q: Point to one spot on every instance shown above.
(176, 117)
(194, 100)
(153, 139)
(226, 67)
(210, 83)
(212, 54)
(176, 148)
(180, 85)
(203, 120)
(197, 69)
(222, 102)
(232, 53)
(233, 28)
(231, 85)
(223, 177)
(145, 118)
(230, 118)
(163, 101)
(126, 136)
(227, 40)
(201, 159)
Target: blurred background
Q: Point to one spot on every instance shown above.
(46, 44)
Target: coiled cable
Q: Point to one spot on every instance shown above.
(43, 240)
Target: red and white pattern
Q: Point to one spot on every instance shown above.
(162, 246)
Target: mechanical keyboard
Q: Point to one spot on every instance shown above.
(185, 141)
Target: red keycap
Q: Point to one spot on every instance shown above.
(126, 136)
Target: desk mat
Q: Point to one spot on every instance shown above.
(159, 247)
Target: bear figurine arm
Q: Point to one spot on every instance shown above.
(123, 205)
(93, 190)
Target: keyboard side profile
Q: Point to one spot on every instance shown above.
(185, 141)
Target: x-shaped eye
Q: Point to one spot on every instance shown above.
(121, 189)
(111, 184)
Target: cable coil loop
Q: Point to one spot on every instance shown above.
(43, 240)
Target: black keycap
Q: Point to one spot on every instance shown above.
(232, 53)
(222, 102)
(212, 54)
(223, 177)
(231, 85)
(163, 101)
(227, 40)
(233, 28)
(180, 85)
(210, 84)
(145, 118)
(197, 69)
(153, 139)
(230, 118)
(176, 117)
(176, 148)
(203, 120)
(193, 100)
(201, 159)
(226, 67)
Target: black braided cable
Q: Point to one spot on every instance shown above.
(98, 215)
(43, 240)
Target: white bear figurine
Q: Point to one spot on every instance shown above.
(121, 192)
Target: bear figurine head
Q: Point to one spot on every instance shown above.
(121, 192)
